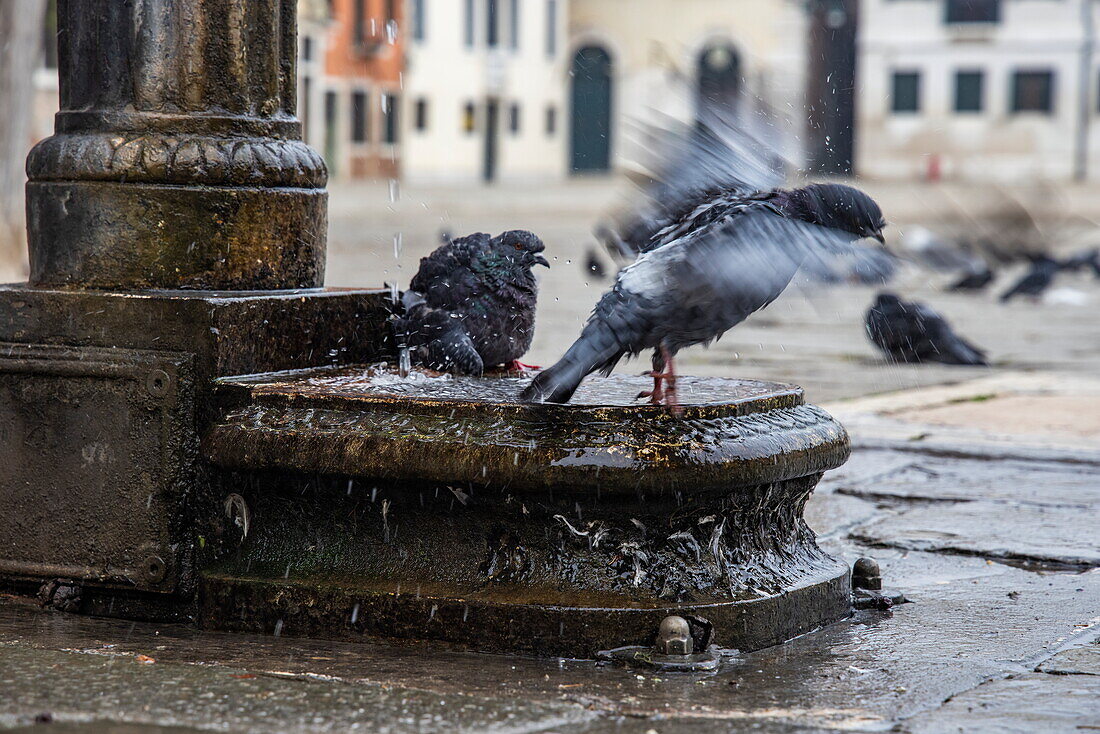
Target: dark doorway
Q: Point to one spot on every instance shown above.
(492, 123)
(719, 81)
(831, 85)
(590, 140)
(331, 143)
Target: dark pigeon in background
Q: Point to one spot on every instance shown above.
(975, 278)
(1037, 279)
(1086, 259)
(913, 332)
(472, 303)
(727, 256)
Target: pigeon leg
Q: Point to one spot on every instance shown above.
(657, 394)
(672, 402)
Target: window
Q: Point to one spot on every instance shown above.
(421, 116)
(469, 118)
(492, 30)
(359, 117)
(419, 32)
(307, 48)
(1033, 91)
(905, 95)
(359, 21)
(513, 118)
(468, 25)
(551, 120)
(551, 27)
(969, 91)
(973, 11)
(390, 105)
(513, 26)
(49, 36)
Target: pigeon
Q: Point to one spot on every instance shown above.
(472, 303)
(913, 332)
(704, 273)
(594, 265)
(1037, 279)
(1087, 258)
(975, 278)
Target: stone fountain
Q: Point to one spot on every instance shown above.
(196, 429)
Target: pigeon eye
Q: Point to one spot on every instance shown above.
(518, 246)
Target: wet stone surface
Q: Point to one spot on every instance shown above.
(985, 646)
(382, 380)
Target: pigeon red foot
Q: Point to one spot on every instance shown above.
(664, 386)
(516, 366)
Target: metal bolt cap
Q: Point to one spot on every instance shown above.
(674, 637)
(866, 574)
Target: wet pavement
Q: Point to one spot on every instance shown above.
(1001, 635)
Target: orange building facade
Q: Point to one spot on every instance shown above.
(350, 59)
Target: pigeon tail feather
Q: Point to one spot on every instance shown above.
(596, 349)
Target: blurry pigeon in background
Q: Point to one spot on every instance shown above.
(933, 251)
(472, 303)
(727, 256)
(1037, 279)
(912, 332)
(1086, 259)
(975, 278)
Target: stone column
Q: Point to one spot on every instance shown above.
(177, 159)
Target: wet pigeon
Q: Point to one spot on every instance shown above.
(706, 272)
(472, 303)
(1037, 279)
(913, 332)
(975, 278)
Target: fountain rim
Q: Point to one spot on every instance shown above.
(279, 389)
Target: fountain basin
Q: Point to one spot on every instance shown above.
(441, 508)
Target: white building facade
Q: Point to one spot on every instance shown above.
(981, 90)
(483, 90)
(667, 58)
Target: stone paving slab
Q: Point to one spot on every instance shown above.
(1033, 702)
(1028, 482)
(1079, 661)
(1045, 534)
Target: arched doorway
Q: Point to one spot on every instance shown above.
(719, 75)
(590, 135)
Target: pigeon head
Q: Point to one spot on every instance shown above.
(838, 207)
(520, 248)
(887, 301)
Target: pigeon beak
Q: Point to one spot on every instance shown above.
(540, 260)
(879, 237)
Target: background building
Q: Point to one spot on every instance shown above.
(350, 56)
(484, 90)
(643, 60)
(978, 89)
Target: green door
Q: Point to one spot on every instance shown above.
(590, 138)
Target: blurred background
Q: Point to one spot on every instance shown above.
(970, 121)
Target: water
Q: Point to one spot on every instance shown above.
(502, 388)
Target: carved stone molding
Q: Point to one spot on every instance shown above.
(182, 160)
